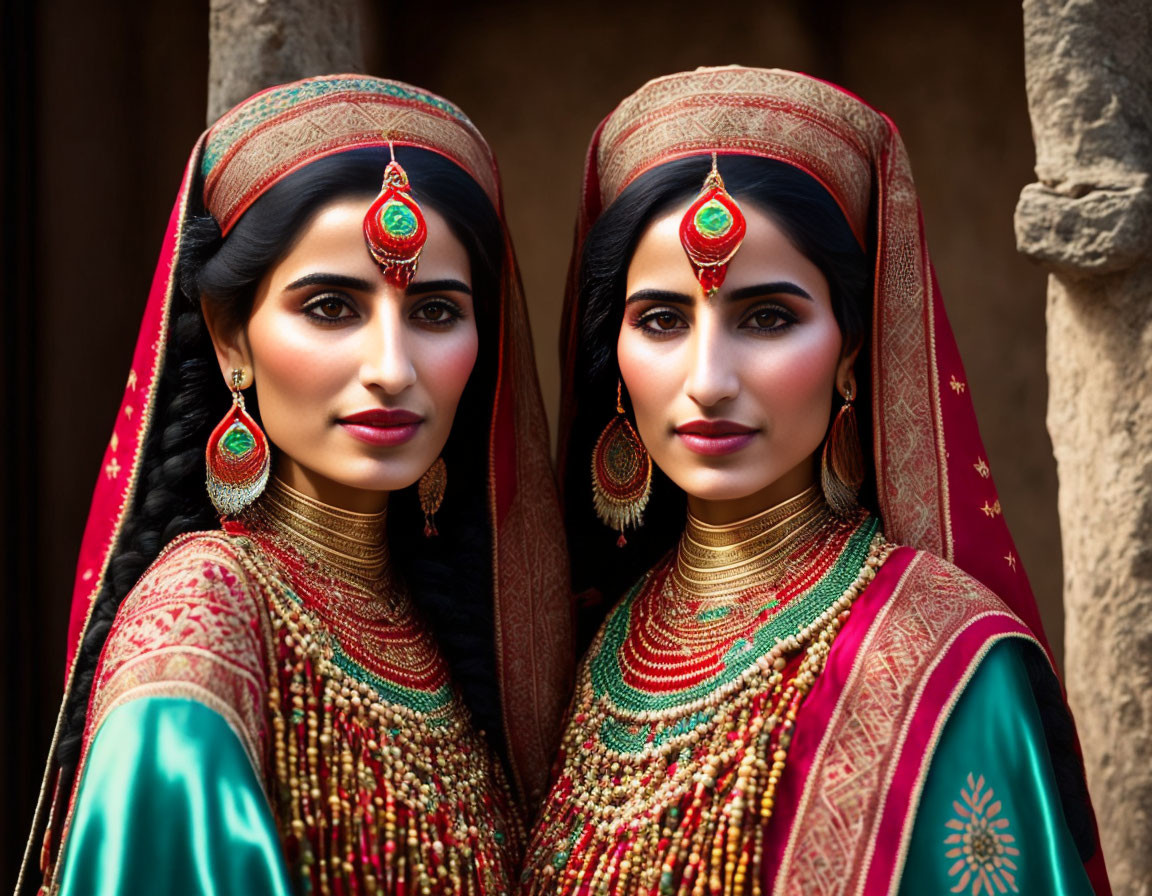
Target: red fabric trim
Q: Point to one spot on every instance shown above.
(116, 483)
(943, 688)
(821, 703)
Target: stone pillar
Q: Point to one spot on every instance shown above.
(1088, 220)
(258, 43)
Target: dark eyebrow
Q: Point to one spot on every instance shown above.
(746, 292)
(423, 286)
(346, 282)
(322, 279)
(766, 289)
(658, 295)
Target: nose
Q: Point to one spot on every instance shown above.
(387, 359)
(712, 376)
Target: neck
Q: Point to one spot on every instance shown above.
(721, 511)
(327, 491)
(761, 550)
(353, 545)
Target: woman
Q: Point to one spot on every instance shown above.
(296, 699)
(830, 676)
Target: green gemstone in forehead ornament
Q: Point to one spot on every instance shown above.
(713, 219)
(398, 219)
(237, 440)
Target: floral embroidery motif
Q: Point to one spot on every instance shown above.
(993, 509)
(980, 843)
(957, 386)
(1011, 558)
(982, 468)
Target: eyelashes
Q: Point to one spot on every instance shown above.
(767, 319)
(334, 309)
(437, 312)
(660, 320)
(318, 309)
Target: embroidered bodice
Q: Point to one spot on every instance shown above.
(685, 704)
(380, 783)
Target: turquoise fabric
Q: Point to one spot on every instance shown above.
(169, 804)
(991, 781)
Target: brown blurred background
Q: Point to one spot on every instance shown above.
(102, 102)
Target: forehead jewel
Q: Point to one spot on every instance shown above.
(712, 230)
(394, 228)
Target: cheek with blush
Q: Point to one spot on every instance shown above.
(650, 375)
(444, 365)
(296, 377)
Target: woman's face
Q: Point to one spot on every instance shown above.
(732, 393)
(358, 380)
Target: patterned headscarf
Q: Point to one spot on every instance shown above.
(252, 147)
(934, 485)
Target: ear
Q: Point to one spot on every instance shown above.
(845, 372)
(230, 344)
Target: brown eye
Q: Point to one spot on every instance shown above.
(769, 320)
(659, 322)
(330, 308)
(440, 312)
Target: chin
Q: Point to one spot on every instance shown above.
(717, 485)
(372, 476)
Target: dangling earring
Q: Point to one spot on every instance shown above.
(237, 457)
(842, 463)
(621, 473)
(431, 492)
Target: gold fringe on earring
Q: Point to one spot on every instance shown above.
(621, 473)
(842, 462)
(431, 492)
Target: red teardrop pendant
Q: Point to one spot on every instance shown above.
(394, 228)
(711, 231)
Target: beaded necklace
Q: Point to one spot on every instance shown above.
(686, 702)
(379, 782)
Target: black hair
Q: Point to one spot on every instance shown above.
(814, 223)
(450, 576)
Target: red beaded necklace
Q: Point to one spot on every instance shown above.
(686, 704)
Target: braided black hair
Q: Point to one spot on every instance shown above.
(450, 577)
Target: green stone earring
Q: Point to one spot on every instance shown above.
(237, 457)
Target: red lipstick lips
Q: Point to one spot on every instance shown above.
(715, 437)
(382, 426)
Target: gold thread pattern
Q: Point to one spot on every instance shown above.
(829, 852)
(980, 842)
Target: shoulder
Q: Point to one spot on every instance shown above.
(211, 561)
(194, 625)
(198, 572)
(200, 592)
(924, 582)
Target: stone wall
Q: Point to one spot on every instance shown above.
(119, 96)
(1088, 219)
(255, 44)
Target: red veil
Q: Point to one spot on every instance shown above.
(934, 486)
(252, 147)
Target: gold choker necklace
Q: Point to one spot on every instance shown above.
(354, 545)
(758, 552)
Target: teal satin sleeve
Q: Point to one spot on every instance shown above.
(991, 796)
(169, 804)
